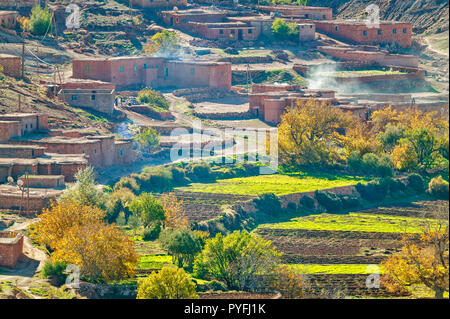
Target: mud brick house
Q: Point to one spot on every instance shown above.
(269, 102)
(367, 54)
(210, 24)
(21, 124)
(8, 19)
(13, 200)
(307, 31)
(17, 4)
(304, 12)
(11, 65)
(99, 100)
(155, 72)
(356, 31)
(11, 248)
(159, 4)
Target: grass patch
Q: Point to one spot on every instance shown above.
(277, 184)
(351, 269)
(354, 222)
(154, 261)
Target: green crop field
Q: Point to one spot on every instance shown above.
(154, 261)
(337, 268)
(277, 184)
(354, 222)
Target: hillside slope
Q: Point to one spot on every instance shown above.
(426, 16)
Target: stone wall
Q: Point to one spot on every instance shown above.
(11, 248)
(43, 181)
(8, 19)
(12, 65)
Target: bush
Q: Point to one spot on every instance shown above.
(218, 286)
(283, 30)
(200, 172)
(438, 188)
(396, 186)
(307, 202)
(292, 207)
(178, 176)
(354, 161)
(373, 191)
(385, 167)
(416, 183)
(151, 232)
(40, 20)
(55, 270)
(127, 182)
(149, 96)
(350, 202)
(268, 204)
(330, 201)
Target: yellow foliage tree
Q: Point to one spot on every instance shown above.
(59, 218)
(102, 251)
(168, 283)
(174, 212)
(308, 134)
(423, 262)
(359, 138)
(404, 157)
(290, 283)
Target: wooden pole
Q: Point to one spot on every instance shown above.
(23, 60)
(20, 103)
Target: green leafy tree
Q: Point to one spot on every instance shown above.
(182, 244)
(283, 30)
(85, 191)
(40, 20)
(168, 283)
(148, 208)
(149, 96)
(164, 42)
(147, 138)
(239, 260)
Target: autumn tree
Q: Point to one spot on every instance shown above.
(162, 43)
(102, 252)
(421, 262)
(238, 259)
(54, 222)
(289, 282)
(308, 134)
(174, 212)
(168, 283)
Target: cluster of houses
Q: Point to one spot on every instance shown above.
(44, 159)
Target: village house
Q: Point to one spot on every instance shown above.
(159, 4)
(15, 4)
(11, 65)
(99, 100)
(155, 72)
(356, 31)
(11, 248)
(8, 19)
(303, 12)
(369, 54)
(306, 32)
(210, 24)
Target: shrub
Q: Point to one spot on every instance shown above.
(385, 167)
(152, 232)
(396, 186)
(149, 96)
(169, 283)
(354, 161)
(200, 172)
(268, 204)
(369, 163)
(331, 202)
(373, 191)
(307, 202)
(283, 30)
(350, 202)
(218, 286)
(55, 270)
(182, 245)
(40, 20)
(438, 188)
(178, 176)
(416, 183)
(292, 207)
(127, 182)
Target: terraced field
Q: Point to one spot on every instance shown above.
(205, 206)
(277, 184)
(335, 250)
